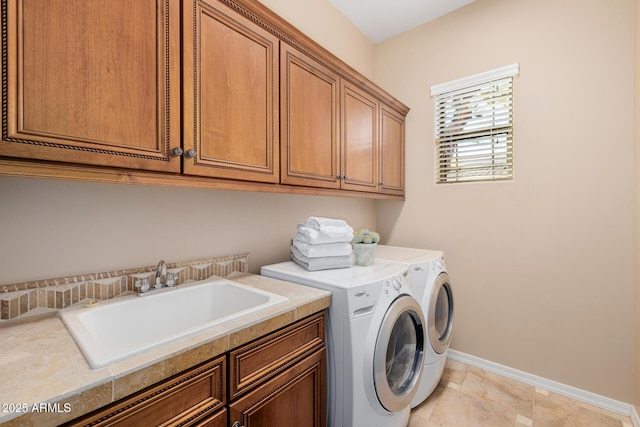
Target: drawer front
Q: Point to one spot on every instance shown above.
(295, 397)
(218, 420)
(260, 360)
(189, 397)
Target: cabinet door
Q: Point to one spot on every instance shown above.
(92, 81)
(359, 139)
(309, 121)
(296, 397)
(231, 99)
(391, 151)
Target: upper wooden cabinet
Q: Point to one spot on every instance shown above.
(391, 151)
(359, 139)
(330, 130)
(93, 82)
(231, 101)
(309, 94)
(219, 93)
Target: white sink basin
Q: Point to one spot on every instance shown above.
(116, 329)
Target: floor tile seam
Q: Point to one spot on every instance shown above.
(497, 405)
(576, 404)
(496, 401)
(441, 400)
(572, 410)
(571, 415)
(525, 421)
(540, 393)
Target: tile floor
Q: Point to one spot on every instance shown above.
(470, 396)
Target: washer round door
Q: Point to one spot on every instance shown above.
(440, 314)
(399, 354)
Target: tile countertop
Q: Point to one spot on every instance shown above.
(46, 380)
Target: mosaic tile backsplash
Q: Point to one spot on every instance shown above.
(20, 299)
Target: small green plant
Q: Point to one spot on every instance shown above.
(365, 236)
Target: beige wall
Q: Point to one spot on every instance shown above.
(326, 25)
(54, 228)
(637, 202)
(542, 266)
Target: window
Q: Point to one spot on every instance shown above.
(474, 127)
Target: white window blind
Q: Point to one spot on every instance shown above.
(474, 128)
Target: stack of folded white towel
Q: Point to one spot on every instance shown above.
(322, 244)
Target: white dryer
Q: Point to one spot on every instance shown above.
(375, 341)
(432, 287)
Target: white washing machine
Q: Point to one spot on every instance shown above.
(375, 341)
(432, 287)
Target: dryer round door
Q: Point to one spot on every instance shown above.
(399, 353)
(440, 314)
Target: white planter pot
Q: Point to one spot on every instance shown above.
(364, 253)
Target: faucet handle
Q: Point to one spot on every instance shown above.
(171, 279)
(142, 285)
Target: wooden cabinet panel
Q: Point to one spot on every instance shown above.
(218, 420)
(296, 397)
(391, 151)
(359, 139)
(192, 396)
(92, 81)
(309, 93)
(231, 97)
(267, 356)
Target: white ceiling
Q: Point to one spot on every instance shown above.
(382, 19)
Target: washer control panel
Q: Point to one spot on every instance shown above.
(362, 299)
(397, 284)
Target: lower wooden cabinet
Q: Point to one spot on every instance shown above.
(217, 420)
(261, 359)
(275, 380)
(293, 398)
(280, 379)
(191, 398)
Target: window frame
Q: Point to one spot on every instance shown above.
(480, 145)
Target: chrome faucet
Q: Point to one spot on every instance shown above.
(161, 274)
(162, 280)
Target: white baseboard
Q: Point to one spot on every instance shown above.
(553, 386)
(634, 417)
